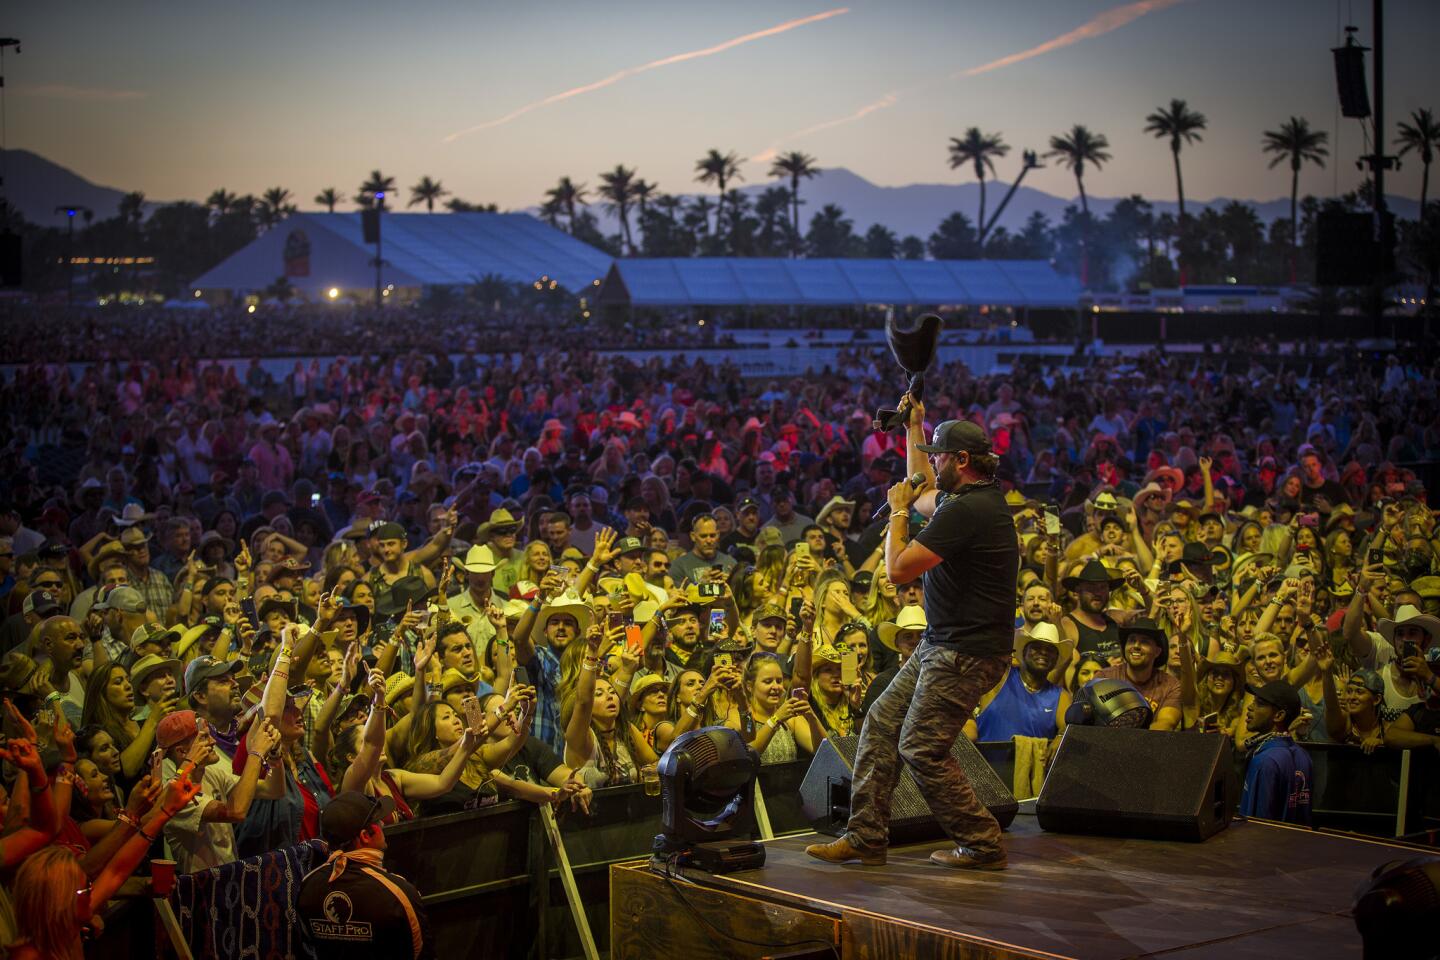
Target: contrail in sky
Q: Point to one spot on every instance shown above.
(619, 75)
(1099, 25)
(1103, 23)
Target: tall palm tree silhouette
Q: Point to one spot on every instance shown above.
(719, 169)
(978, 150)
(797, 166)
(1182, 125)
(1296, 142)
(1074, 150)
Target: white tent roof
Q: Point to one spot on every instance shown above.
(317, 251)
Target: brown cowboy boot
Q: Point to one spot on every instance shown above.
(964, 858)
(842, 851)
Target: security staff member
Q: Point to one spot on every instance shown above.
(969, 558)
(352, 907)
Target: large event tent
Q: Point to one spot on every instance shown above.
(320, 251)
(836, 283)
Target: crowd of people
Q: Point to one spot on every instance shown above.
(242, 613)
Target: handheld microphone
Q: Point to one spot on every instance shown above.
(917, 480)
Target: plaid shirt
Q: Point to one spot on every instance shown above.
(544, 673)
(156, 590)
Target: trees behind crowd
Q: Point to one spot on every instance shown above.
(1131, 247)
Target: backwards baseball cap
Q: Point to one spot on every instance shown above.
(388, 531)
(1279, 695)
(956, 436)
(347, 815)
(122, 598)
(175, 728)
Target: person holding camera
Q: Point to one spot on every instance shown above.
(969, 558)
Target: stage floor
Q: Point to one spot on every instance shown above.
(1255, 890)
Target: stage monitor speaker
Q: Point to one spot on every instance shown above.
(1148, 784)
(825, 792)
(370, 225)
(11, 274)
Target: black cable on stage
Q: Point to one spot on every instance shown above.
(673, 861)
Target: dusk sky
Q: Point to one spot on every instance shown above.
(178, 99)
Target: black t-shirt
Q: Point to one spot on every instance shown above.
(357, 916)
(1330, 490)
(538, 760)
(1425, 717)
(970, 594)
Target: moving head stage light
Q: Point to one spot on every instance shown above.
(1109, 703)
(707, 785)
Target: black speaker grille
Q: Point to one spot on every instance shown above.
(910, 817)
(1139, 783)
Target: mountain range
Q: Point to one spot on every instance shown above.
(36, 186)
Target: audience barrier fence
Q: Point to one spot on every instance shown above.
(477, 869)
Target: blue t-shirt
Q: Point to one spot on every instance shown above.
(1277, 782)
(1016, 712)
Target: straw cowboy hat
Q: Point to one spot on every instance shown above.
(910, 617)
(1408, 616)
(1043, 633)
(501, 521)
(478, 559)
(643, 686)
(1225, 660)
(564, 605)
(834, 503)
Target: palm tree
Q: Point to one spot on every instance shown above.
(1074, 150)
(222, 201)
(979, 149)
(427, 191)
(550, 211)
(275, 205)
(132, 208)
(1182, 125)
(719, 169)
(328, 197)
(1423, 136)
(377, 184)
(617, 191)
(795, 165)
(642, 191)
(1296, 142)
(566, 194)
(1029, 160)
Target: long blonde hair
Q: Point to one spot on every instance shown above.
(44, 899)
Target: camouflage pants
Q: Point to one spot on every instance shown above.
(917, 719)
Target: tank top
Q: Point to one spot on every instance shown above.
(620, 769)
(382, 589)
(1016, 712)
(781, 747)
(1090, 640)
(402, 809)
(1395, 702)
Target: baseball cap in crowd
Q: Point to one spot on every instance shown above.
(152, 633)
(956, 436)
(388, 531)
(175, 728)
(1279, 695)
(747, 503)
(53, 550)
(767, 611)
(123, 598)
(346, 816)
(42, 603)
(1369, 679)
(629, 545)
(206, 667)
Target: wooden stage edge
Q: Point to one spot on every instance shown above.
(1256, 891)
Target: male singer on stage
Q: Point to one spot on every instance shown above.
(969, 557)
